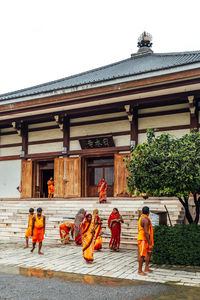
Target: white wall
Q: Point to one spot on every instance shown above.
(10, 172)
(100, 128)
(45, 135)
(164, 121)
(44, 148)
(142, 137)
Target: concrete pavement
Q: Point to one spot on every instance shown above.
(68, 259)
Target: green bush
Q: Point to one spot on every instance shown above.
(177, 245)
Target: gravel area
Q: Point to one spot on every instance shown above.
(17, 287)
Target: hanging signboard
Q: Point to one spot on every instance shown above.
(97, 142)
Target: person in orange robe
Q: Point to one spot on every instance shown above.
(50, 184)
(38, 230)
(145, 241)
(64, 230)
(77, 226)
(102, 190)
(98, 232)
(30, 221)
(114, 223)
(88, 233)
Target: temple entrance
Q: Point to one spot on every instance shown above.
(46, 171)
(96, 169)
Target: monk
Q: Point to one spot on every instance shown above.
(102, 190)
(30, 221)
(65, 229)
(145, 241)
(98, 232)
(50, 184)
(88, 233)
(38, 230)
(114, 223)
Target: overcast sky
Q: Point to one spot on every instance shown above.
(45, 40)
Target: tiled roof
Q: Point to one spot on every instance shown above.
(135, 65)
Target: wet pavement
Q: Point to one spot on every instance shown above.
(18, 283)
(16, 287)
(61, 273)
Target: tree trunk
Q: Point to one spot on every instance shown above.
(197, 208)
(187, 211)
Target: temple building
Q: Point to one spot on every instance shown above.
(79, 128)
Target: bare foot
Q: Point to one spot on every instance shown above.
(117, 250)
(88, 262)
(142, 273)
(40, 253)
(32, 250)
(25, 247)
(148, 270)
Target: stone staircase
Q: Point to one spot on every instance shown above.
(14, 216)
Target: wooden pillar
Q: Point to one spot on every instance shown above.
(66, 135)
(134, 126)
(24, 134)
(194, 114)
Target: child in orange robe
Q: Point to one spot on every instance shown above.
(38, 230)
(30, 221)
(50, 184)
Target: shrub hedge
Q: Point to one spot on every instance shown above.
(177, 245)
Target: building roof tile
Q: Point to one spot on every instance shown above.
(144, 63)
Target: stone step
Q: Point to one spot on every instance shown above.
(14, 216)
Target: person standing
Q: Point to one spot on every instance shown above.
(98, 232)
(102, 190)
(29, 229)
(38, 230)
(145, 241)
(88, 233)
(114, 223)
(50, 184)
(77, 228)
(64, 230)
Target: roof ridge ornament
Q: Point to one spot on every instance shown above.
(145, 42)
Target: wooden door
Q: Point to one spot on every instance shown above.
(26, 178)
(120, 176)
(98, 168)
(58, 177)
(72, 177)
(67, 177)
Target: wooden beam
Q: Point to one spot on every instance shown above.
(168, 128)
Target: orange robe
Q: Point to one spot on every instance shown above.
(102, 189)
(98, 235)
(143, 245)
(65, 229)
(50, 184)
(30, 222)
(88, 234)
(38, 230)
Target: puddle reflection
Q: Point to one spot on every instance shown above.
(78, 278)
(174, 292)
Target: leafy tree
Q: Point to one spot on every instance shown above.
(167, 166)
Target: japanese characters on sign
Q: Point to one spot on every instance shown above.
(97, 142)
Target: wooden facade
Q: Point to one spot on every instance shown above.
(77, 136)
